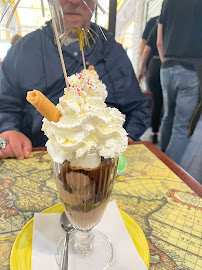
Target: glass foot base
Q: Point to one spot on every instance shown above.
(99, 257)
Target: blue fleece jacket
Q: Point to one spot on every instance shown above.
(33, 63)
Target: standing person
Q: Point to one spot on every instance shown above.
(148, 28)
(179, 39)
(192, 158)
(15, 38)
(34, 63)
(145, 35)
(153, 80)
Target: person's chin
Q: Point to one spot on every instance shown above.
(73, 25)
(73, 21)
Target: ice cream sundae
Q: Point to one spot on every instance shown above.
(84, 145)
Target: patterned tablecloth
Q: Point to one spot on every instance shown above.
(166, 209)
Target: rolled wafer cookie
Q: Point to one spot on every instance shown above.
(43, 105)
(91, 68)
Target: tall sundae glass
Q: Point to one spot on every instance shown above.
(85, 140)
(84, 194)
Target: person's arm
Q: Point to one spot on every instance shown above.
(142, 46)
(12, 101)
(125, 93)
(143, 67)
(160, 41)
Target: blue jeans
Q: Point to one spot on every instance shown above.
(181, 96)
(192, 158)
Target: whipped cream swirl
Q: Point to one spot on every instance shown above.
(87, 129)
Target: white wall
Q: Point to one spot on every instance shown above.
(129, 11)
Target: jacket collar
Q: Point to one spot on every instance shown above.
(97, 51)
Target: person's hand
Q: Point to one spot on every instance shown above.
(142, 73)
(19, 145)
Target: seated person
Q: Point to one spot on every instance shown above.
(154, 81)
(34, 63)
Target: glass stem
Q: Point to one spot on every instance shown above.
(84, 241)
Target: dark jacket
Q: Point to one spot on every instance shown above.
(34, 63)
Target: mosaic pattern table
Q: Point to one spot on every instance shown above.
(160, 196)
